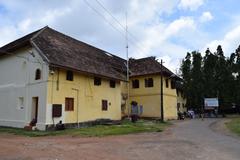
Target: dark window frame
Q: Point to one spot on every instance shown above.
(69, 104)
(104, 105)
(37, 74)
(56, 110)
(97, 81)
(173, 84)
(135, 83)
(112, 84)
(167, 83)
(69, 75)
(149, 82)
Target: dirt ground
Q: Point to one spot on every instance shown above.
(186, 140)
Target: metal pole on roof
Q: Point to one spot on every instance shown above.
(127, 105)
(161, 92)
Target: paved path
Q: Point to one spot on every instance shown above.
(207, 142)
(187, 140)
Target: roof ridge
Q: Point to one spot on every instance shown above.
(36, 46)
(23, 39)
(149, 57)
(38, 32)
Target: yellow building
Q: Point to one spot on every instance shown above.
(48, 77)
(144, 88)
(84, 98)
(181, 101)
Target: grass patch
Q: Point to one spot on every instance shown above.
(96, 131)
(234, 125)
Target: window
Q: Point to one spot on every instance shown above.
(56, 110)
(148, 82)
(112, 84)
(166, 83)
(38, 74)
(20, 103)
(104, 105)
(97, 81)
(69, 104)
(135, 83)
(173, 84)
(69, 76)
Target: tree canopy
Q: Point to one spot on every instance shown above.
(209, 76)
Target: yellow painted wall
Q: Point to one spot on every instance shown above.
(182, 101)
(150, 97)
(89, 99)
(124, 95)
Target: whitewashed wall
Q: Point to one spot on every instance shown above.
(17, 79)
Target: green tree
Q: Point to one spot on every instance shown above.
(186, 75)
(197, 80)
(209, 74)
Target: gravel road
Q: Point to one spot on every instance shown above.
(186, 140)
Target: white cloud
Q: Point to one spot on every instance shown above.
(205, 17)
(24, 25)
(229, 43)
(181, 24)
(8, 34)
(153, 35)
(190, 4)
(170, 62)
(156, 39)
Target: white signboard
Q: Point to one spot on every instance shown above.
(211, 103)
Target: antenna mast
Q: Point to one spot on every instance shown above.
(127, 105)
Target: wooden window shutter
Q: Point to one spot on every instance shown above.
(69, 104)
(56, 110)
(104, 105)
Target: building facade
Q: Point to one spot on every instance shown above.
(145, 87)
(48, 77)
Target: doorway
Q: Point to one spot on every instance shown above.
(35, 108)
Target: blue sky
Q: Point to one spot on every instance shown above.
(165, 29)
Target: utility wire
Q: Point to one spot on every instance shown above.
(119, 23)
(115, 18)
(101, 15)
(114, 27)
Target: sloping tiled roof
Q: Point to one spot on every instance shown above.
(147, 66)
(63, 51)
(1, 52)
(25, 40)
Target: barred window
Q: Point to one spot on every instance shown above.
(135, 83)
(148, 82)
